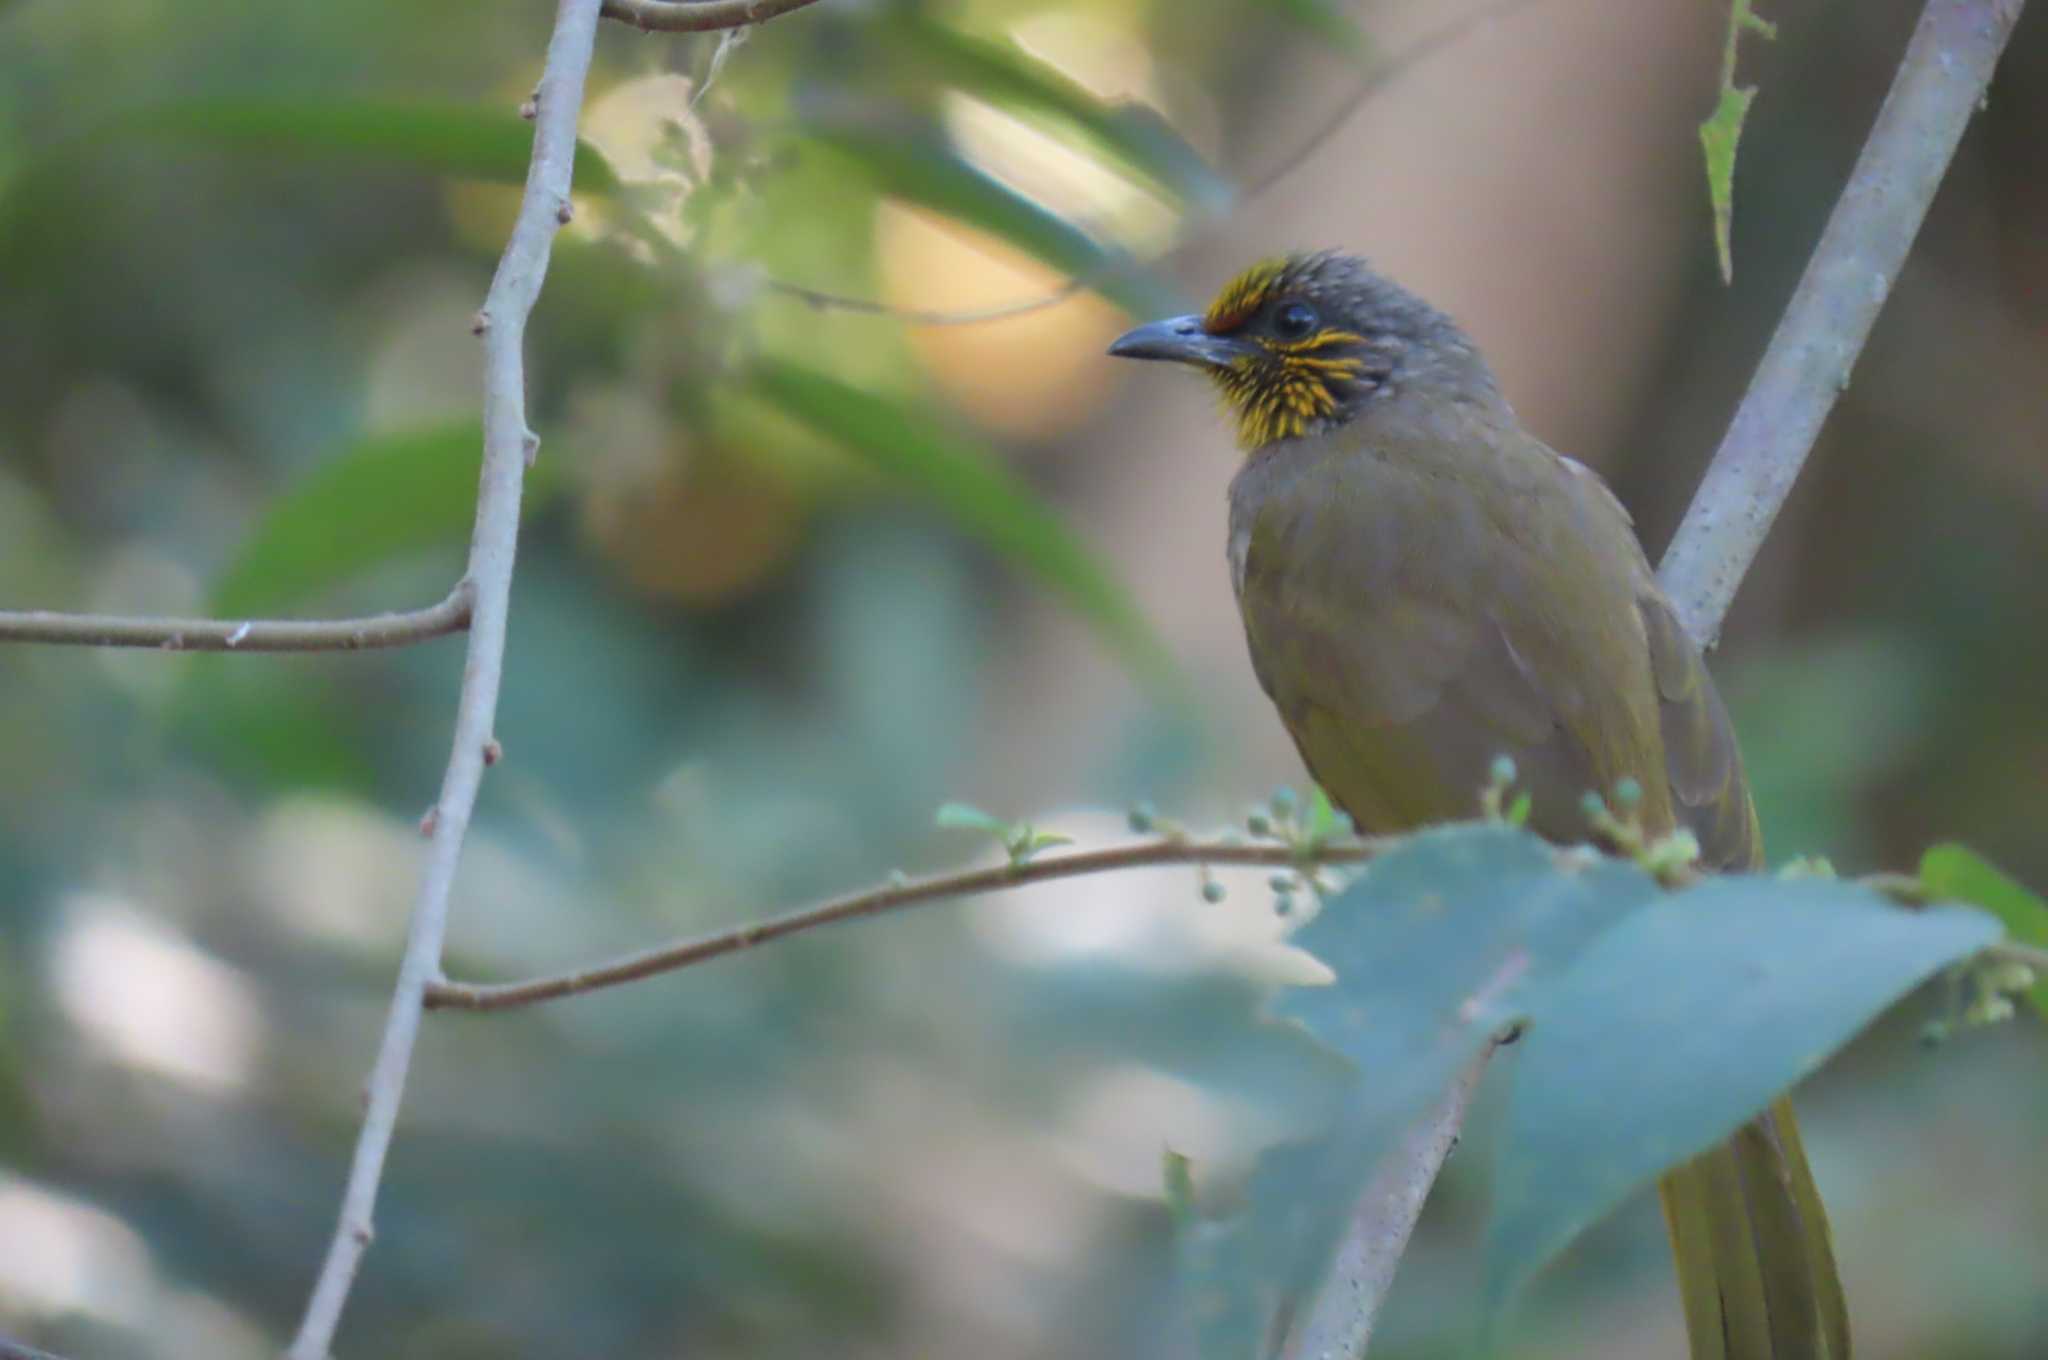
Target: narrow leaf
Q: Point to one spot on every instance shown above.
(923, 169)
(968, 483)
(1325, 21)
(449, 139)
(967, 817)
(1718, 138)
(1681, 1022)
(1958, 874)
(1133, 136)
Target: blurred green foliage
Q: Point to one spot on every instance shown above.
(784, 590)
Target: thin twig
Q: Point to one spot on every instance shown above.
(697, 16)
(451, 615)
(509, 445)
(1383, 1220)
(1940, 82)
(14, 1350)
(874, 902)
(1371, 83)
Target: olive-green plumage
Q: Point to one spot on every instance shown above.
(1426, 586)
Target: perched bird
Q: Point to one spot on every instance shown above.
(1426, 585)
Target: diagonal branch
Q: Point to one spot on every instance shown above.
(894, 897)
(451, 615)
(1941, 80)
(509, 445)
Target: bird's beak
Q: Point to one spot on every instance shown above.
(1180, 339)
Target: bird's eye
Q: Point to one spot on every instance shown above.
(1294, 321)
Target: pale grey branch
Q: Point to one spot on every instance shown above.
(509, 446)
(1940, 83)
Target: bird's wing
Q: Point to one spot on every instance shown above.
(1702, 761)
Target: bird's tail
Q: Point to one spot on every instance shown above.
(1756, 1267)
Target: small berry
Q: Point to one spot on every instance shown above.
(1212, 891)
(1259, 824)
(1627, 792)
(1142, 817)
(1503, 770)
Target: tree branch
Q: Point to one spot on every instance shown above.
(894, 897)
(451, 615)
(698, 16)
(509, 446)
(1941, 81)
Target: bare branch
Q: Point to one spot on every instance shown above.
(1369, 84)
(1340, 1323)
(696, 16)
(451, 615)
(509, 445)
(1940, 82)
(894, 897)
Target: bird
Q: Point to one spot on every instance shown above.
(1426, 586)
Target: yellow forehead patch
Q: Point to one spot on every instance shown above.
(1244, 295)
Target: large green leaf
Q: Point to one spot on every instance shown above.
(1436, 947)
(387, 495)
(1680, 1023)
(468, 140)
(922, 168)
(968, 483)
(1957, 874)
(1132, 135)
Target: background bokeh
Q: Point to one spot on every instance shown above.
(239, 249)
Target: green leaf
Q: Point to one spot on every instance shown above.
(967, 817)
(1718, 138)
(387, 495)
(966, 482)
(1436, 946)
(449, 139)
(1721, 133)
(1680, 1023)
(1025, 843)
(1956, 873)
(1133, 136)
(922, 168)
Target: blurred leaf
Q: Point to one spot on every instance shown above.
(1327, 21)
(966, 817)
(387, 495)
(967, 482)
(1436, 946)
(1683, 1021)
(1132, 135)
(468, 140)
(925, 170)
(1956, 873)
